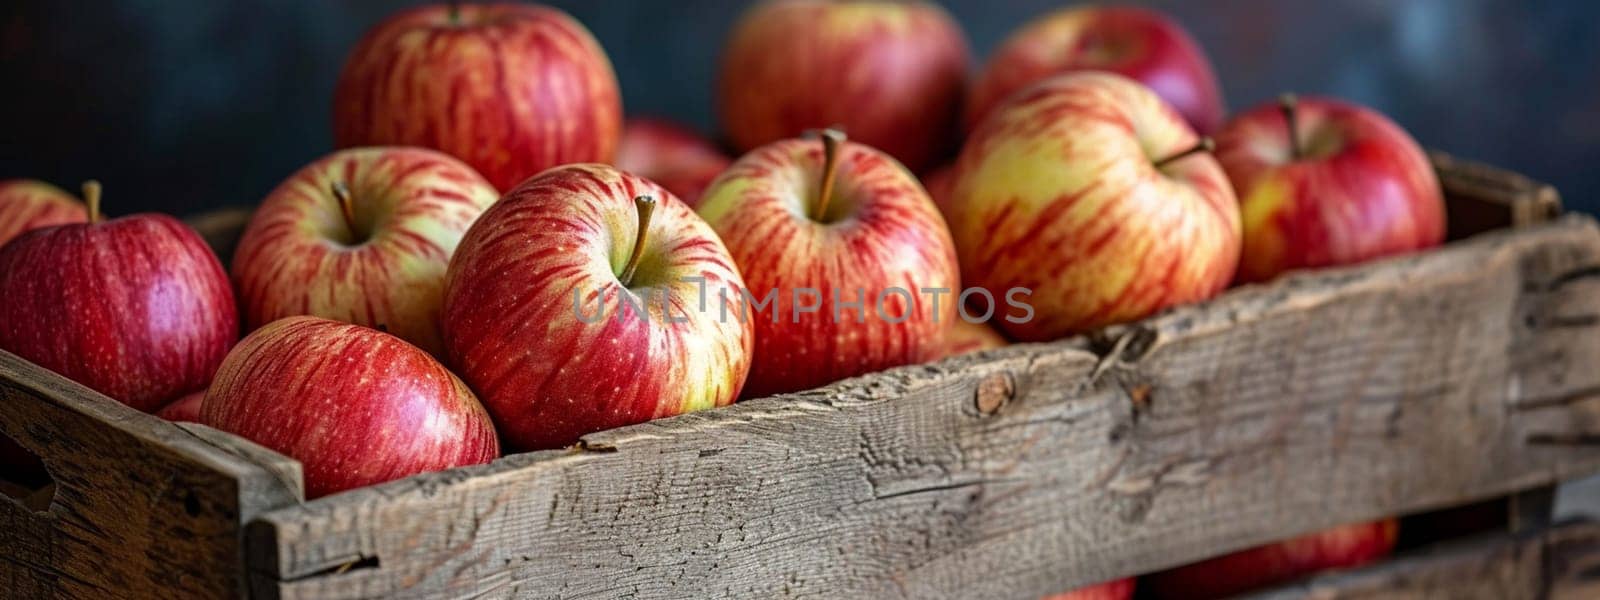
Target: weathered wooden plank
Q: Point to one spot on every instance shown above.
(141, 507)
(1558, 563)
(1484, 198)
(1324, 398)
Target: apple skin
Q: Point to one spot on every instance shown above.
(510, 89)
(411, 206)
(355, 406)
(671, 155)
(548, 376)
(890, 74)
(1137, 43)
(1120, 589)
(1226, 576)
(1362, 189)
(185, 409)
(136, 308)
(27, 204)
(1058, 192)
(964, 337)
(883, 232)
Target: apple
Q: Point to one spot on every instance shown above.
(1325, 182)
(1273, 564)
(965, 337)
(1093, 193)
(671, 155)
(27, 204)
(511, 89)
(842, 242)
(589, 298)
(355, 406)
(361, 236)
(1138, 43)
(136, 308)
(891, 74)
(1120, 589)
(185, 409)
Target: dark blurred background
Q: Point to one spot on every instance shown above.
(185, 105)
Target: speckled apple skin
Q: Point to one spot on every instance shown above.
(1364, 189)
(881, 233)
(1058, 192)
(412, 205)
(354, 405)
(511, 89)
(1135, 42)
(137, 308)
(891, 74)
(549, 374)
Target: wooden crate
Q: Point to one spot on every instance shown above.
(1342, 395)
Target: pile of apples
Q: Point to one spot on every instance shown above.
(495, 261)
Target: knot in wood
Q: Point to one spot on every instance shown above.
(994, 391)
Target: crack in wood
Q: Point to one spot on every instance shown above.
(1574, 275)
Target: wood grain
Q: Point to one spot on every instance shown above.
(1560, 563)
(1324, 398)
(141, 507)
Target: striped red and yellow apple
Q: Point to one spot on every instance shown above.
(362, 236)
(1325, 182)
(889, 73)
(355, 406)
(511, 89)
(574, 305)
(1092, 192)
(136, 308)
(672, 155)
(1342, 547)
(1139, 43)
(851, 223)
(27, 204)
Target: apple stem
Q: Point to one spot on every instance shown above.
(1286, 103)
(646, 206)
(91, 196)
(1204, 145)
(832, 139)
(455, 12)
(346, 206)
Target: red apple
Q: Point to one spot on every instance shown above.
(589, 298)
(1346, 186)
(1121, 589)
(1094, 194)
(27, 204)
(361, 236)
(1138, 43)
(845, 231)
(889, 73)
(137, 308)
(511, 89)
(355, 406)
(965, 337)
(1233, 574)
(185, 409)
(666, 153)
